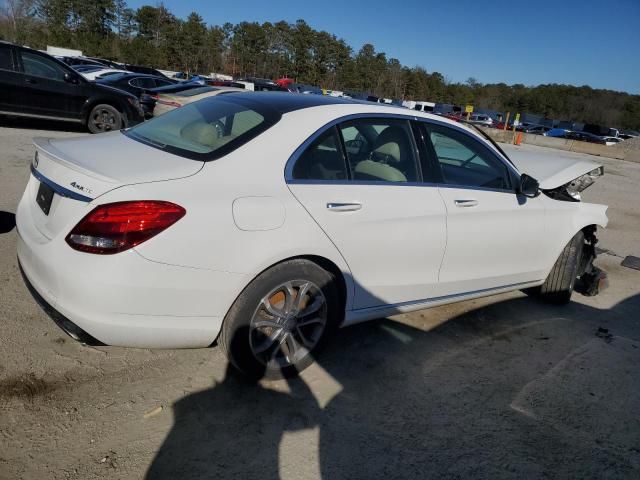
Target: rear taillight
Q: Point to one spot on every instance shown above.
(115, 227)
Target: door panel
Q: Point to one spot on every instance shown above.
(392, 237)
(10, 80)
(493, 235)
(45, 92)
(493, 239)
(390, 229)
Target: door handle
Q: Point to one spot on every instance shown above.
(344, 207)
(466, 203)
(30, 80)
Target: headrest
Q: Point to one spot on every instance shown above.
(201, 133)
(370, 170)
(392, 142)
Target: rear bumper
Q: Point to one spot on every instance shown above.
(60, 320)
(123, 299)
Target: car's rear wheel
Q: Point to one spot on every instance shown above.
(104, 118)
(559, 284)
(281, 320)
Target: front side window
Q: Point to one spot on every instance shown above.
(6, 60)
(206, 130)
(463, 161)
(382, 150)
(40, 66)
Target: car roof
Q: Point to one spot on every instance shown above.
(285, 102)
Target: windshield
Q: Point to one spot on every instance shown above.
(207, 129)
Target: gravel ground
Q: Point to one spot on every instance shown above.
(503, 387)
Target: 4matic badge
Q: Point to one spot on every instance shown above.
(81, 188)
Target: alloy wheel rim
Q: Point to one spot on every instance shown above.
(288, 323)
(104, 120)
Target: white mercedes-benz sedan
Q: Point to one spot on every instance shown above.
(263, 221)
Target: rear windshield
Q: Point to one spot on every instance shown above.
(196, 91)
(207, 129)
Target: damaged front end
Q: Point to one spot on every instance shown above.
(591, 280)
(570, 191)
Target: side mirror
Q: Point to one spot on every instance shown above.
(70, 78)
(529, 186)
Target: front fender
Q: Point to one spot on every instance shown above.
(565, 219)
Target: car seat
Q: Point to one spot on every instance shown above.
(390, 160)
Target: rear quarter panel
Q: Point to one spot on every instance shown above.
(209, 237)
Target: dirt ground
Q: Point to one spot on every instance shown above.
(503, 387)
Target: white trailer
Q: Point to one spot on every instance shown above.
(63, 52)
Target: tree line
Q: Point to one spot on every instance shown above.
(153, 36)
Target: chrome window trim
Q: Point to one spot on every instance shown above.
(288, 169)
(382, 183)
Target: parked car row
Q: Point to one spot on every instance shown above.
(68, 88)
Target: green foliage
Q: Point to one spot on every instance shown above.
(152, 35)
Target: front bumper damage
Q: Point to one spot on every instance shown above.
(591, 279)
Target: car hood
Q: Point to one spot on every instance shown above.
(113, 90)
(552, 172)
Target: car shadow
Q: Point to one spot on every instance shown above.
(444, 403)
(7, 221)
(41, 124)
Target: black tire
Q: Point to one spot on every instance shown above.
(104, 118)
(558, 286)
(239, 332)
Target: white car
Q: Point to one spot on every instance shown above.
(481, 119)
(166, 102)
(609, 141)
(104, 72)
(263, 221)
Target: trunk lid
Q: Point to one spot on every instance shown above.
(79, 170)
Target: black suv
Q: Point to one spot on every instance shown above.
(34, 84)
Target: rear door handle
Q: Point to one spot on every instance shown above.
(344, 207)
(466, 203)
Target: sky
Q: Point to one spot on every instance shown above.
(577, 42)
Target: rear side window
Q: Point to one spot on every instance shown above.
(322, 160)
(6, 59)
(367, 150)
(381, 151)
(40, 66)
(206, 130)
